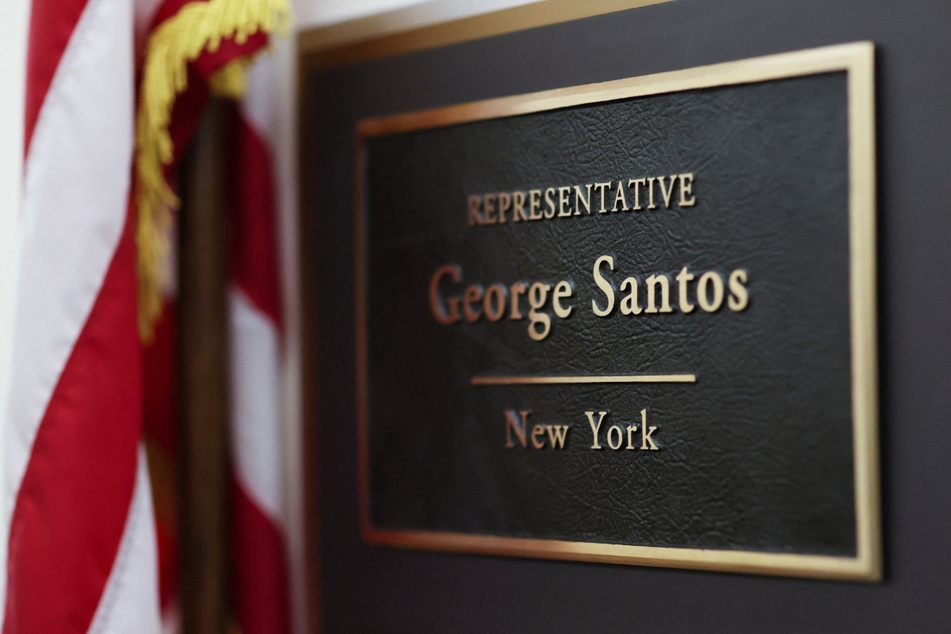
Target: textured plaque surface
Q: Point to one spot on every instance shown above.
(516, 397)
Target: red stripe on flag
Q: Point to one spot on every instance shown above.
(159, 426)
(260, 580)
(51, 25)
(75, 497)
(253, 232)
(159, 382)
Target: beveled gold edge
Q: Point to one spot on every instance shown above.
(739, 561)
(863, 306)
(857, 59)
(438, 23)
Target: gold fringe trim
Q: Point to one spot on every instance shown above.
(197, 27)
(229, 81)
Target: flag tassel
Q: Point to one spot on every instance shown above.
(197, 27)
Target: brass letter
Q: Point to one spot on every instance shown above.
(739, 297)
(473, 295)
(557, 435)
(683, 277)
(505, 203)
(652, 283)
(517, 289)
(488, 216)
(537, 295)
(474, 218)
(537, 431)
(495, 308)
(630, 436)
(534, 204)
(512, 424)
(581, 200)
(562, 290)
(686, 187)
(650, 191)
(519, 209)
(646, 433)
(435, 304)
(637, 183)
(619, 198)
(604, 285)
(667, 193)
(601, 187)
(595, 428)
(563, 193)
(702, 298)
(629, 303)
(549, 202)
(620, 437)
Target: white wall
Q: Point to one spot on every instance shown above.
(12, 66)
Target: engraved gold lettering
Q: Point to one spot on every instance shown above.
(562, 291)
(613, 431)
(512, 423)
(435, 298)
(534, 204)
(505, 203)
(687, 199)
(630, 436)
(703, 298)
(682, 279)
(581, 200)
(488, 214)
(604, 285)
(629, 305)
(537, 431)
(494, 303)
(557, 435)
(646, 433)
(619, 199)
(666, 193)
(518, 213)
(739, 298)
(615, 435)
(474, 204)
(549, 202)
(563, 194)
(652, 283)
(556, 201)
(602, 187)
(518, 288)
(473, 295)
(637, 183)
(537, 295)
(595, 428)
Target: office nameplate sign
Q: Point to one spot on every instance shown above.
(627, 322)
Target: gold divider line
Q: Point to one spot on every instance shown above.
(543, 380)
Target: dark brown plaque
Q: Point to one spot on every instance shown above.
(627, 322)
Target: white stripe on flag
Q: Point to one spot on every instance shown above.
(256, 433)
(82, 143)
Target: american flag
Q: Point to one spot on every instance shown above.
(109, 108)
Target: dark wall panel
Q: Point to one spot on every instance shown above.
(377, 589)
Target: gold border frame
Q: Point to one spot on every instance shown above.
(857, 60)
